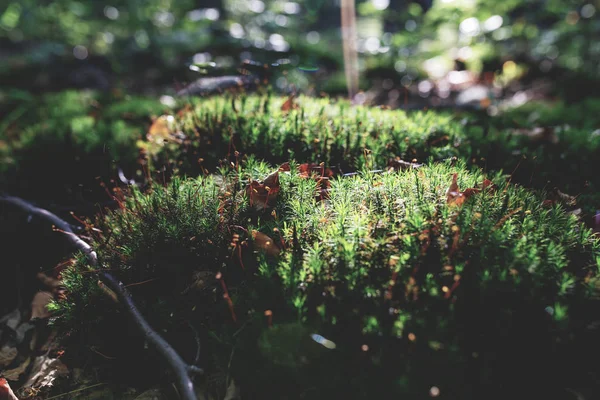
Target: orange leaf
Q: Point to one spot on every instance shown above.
(453, 194)
(289, 104)
(455, 197)
(307, 169)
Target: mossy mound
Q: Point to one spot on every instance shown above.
(307, 285)
(57, 147)
(543, 153)
(276, 129)
(78, 136)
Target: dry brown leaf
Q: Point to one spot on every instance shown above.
(556, 196)
(539, 134)
(45, 371)
(39, 305)
(163, 129)
(289, 104)
(307, 170)
(160, 129)
(265, 243)
(13, 374)
(453, 194)
(263, 195)
(7, 355)
(455, 197)
(49, 282)
(397, 164)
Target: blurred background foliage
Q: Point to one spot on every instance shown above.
(428, 50)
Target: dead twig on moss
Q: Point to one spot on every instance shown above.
(180, 368)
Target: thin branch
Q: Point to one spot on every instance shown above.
(179, 367)
(56, 221)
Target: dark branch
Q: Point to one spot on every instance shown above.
(56, 221)
(179, 367)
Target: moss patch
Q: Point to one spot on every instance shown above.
(393, 281)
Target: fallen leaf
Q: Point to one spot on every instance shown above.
(453, 194)
(265, 243)
(12, 320)
(162, 130)
(555, 196)
(398, 164)
(438, 141)
(538, 134)
(7, 355)
(18, 328)
(320, 174)
(45, 371)
(39, 305)
(307, 170)
(289, 104)
(577, 212)
(49, 282)
(285, 167)
(455, 197)
(263, 195)
(13, 374)
(6, 392)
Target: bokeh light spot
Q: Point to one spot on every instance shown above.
(380, 4)
(470, 26)
(313, 37)
(111, 12)
(236, 31)
(588, 11)
(492, 23)
(80, 52)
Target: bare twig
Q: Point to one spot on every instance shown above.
(179, 367)
(56, 221)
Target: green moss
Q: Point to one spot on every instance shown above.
(320, 130)
(351, 138)
(56, 145)
(411, 290)
(84, 132)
